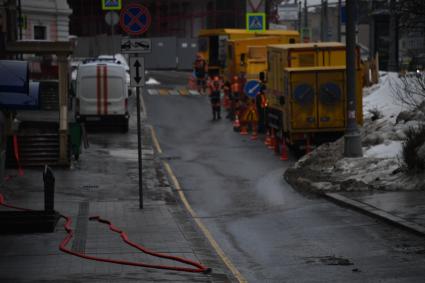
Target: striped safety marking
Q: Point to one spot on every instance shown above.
(102, 89)
(174, 92)
(105, 89)
(98, 89)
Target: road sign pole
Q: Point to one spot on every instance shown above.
(137, 80)
(139, 148)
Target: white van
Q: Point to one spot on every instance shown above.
(102, 94)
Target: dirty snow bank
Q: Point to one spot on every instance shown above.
(326, 169)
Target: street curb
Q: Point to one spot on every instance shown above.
(375, 212)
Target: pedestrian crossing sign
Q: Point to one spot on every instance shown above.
(111, 5)
(256, 22)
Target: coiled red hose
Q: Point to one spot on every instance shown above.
(198, 268)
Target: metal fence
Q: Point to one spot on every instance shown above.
(167, 52)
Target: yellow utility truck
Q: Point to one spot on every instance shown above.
(306, 92)
(248, 56)
(212, 44)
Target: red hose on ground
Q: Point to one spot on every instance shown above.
(199, 268)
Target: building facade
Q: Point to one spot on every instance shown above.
(180, 18)
(45, 20)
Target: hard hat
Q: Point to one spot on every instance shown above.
(235, 78)
(216, 78)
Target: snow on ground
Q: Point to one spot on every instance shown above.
(384, 136)
(381, 97)
(389, 149)
(152, 81)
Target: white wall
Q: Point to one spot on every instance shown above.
(53, 14)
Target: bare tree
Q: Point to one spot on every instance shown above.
(411, 15)
(409, 90)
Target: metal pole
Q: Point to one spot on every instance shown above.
(305, 14)
(393, 58)
(322, 33)
(139, 148)
(352, 139)
(339, 20)
(20, 19)
(299, 16)
(325, 20)
(112, 38)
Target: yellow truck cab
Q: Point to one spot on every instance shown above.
(306, 91)
(248, 56)
(213, 44)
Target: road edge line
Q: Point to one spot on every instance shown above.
(155, 140)
(195, 217)
(144, 111)
(201, 226)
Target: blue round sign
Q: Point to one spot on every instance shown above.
(252, 88)
(304, 94)
(135, 19)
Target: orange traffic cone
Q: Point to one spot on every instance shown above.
(268, 140)
(254, 132)
(283, 151)
(244, 130)
(236, 123)
(272, 143)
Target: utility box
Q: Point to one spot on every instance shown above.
(306, 90)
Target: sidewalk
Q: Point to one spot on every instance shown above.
(404, 209)
(105, 183)
(358, 188)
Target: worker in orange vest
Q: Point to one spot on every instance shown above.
(200, 67)
(261, 104)
(215, 97)
(236, 92)
(250, 116)
(227, 99)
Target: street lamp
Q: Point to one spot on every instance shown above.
(352, 139)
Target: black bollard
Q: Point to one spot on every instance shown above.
(49, 189)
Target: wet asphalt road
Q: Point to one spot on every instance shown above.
(271, 232)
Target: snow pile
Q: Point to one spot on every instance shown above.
(152, 81)
(386, 120)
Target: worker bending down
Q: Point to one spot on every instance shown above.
(215, 98)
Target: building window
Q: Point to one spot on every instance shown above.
(40, 33)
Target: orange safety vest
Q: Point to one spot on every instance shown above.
(235, 87)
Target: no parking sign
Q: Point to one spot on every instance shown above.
(135, 19)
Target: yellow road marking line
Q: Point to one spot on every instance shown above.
(155, 140)
(145, 111)
(195, 217)
(163, 91)
(203, 228)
